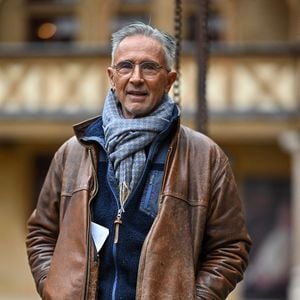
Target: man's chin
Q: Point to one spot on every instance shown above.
(135, 113)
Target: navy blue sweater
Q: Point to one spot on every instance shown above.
(119, 261)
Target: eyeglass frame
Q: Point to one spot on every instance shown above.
(157, 68)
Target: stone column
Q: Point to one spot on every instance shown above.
(290, 141)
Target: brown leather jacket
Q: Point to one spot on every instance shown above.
(197, 247)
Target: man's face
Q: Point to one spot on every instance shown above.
(138, 92)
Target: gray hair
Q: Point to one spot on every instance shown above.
(167, 41)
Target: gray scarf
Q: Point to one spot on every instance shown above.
(126, 139)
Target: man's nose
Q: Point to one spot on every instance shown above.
(136, 75)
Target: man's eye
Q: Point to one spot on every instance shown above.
(125, 65)
(149, 66)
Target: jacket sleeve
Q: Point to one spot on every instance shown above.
(43, 225)
(226, 242)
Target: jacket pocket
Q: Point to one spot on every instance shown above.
(149, 201)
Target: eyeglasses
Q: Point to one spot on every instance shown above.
(148, 69)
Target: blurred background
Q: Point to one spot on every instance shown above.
(53, 60)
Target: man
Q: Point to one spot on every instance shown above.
(136, 206)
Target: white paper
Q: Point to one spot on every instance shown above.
(99, 234)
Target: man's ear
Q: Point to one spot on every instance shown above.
(110, 74)
(172, 75)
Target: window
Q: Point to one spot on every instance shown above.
(59, 29)
(41, 2)
(52, 20)
(215, 25)
(134, 1)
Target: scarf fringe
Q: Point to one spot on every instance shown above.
(124, 194)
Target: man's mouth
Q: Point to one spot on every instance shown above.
(137, 93)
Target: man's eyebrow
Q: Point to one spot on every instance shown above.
(126, 60)
(143, 61)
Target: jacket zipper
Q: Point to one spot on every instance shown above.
(93, 194)
(117, 222)
(113, 294)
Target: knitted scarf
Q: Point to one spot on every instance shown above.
(126, 139)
